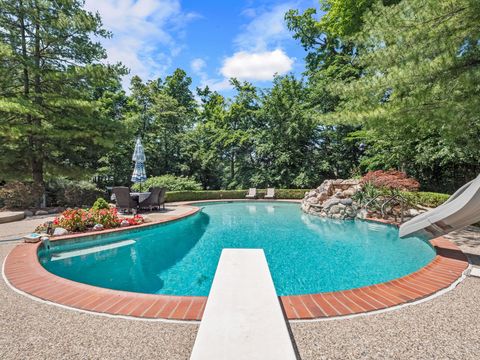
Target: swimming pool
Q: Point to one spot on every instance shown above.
(306, 254)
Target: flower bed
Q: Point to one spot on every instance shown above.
(93, 219)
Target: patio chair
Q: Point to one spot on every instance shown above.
(270, 193)
(152, 201)
(161, 198)
(123, 199)
(252, 193)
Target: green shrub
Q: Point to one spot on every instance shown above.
(172, 183)
(429, 199)
(81, 193)
(174, 196)
(19, 195)
(63, 192)
(55, 191)
(290, 193)
(99, 204)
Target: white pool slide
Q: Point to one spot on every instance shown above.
(460, 210)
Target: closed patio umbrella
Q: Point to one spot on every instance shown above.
(139, 175)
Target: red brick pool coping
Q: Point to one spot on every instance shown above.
(24, 272)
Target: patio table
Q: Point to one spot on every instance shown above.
(140, 196)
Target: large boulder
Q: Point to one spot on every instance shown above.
(60, 231)
(97, 227)
(333, 199)
(28, 213)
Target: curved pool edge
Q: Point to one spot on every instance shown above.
(23, 271)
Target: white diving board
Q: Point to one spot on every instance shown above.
(243, 318)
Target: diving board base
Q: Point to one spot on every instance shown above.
(243, 318)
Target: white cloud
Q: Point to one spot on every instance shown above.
(259, 54)
(217, 84)
(145, 33)
(266, 29)
(249, 12)
(197, 65)
(256, 65)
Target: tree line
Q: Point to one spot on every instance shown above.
(387, 85)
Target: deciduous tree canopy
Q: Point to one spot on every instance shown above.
(388, 85)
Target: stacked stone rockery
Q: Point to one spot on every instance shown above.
(333, 199)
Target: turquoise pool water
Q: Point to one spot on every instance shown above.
(305, 254)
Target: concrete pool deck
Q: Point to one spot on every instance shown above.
(444, 327)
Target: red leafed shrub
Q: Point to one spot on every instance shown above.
(391, 180)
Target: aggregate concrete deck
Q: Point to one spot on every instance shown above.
(17, 229)
(446, 327)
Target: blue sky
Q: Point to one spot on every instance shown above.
(211, 40)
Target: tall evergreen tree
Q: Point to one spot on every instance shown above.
(49, 99)
(418, 95)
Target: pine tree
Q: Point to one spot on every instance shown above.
(51, 86)
(418, 95)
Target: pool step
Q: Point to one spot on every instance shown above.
(243, 318)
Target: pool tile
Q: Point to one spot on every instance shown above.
(300, 308)
(347, 302)
(143, 305)
(288, 307)
(155, 308)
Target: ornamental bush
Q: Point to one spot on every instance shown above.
(20, 195)
(80, 220)
(170, 182)
(99, 204)
(428, 199)
(81, 193)
(107, 217)
(64, 192)
(390, 180)
(74, 220)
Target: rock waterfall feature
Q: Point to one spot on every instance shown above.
(333, 199)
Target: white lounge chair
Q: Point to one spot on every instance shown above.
(252, 193)
(270, 193)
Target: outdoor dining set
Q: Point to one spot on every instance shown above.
(133, 202)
